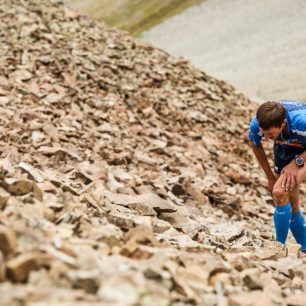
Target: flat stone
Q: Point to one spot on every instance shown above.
(8, 240)
(2, 268)
(253, 298)
(122, 220)
(151, 200)
(86, 280)
(108, 233)
(4, 197)
(18, 187)
(18, 268)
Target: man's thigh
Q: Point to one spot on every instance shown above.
(301, 177)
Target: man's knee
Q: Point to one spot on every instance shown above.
(279, 193)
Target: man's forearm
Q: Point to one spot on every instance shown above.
(303, 155)
(261, 156)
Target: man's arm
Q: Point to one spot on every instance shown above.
(261, 156)
(289, 175)
(290, 178)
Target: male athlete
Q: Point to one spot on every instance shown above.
(285, 123)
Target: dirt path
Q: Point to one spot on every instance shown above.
(258, 46)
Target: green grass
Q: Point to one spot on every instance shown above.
(134, 16)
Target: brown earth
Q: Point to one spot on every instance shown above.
(126, 178)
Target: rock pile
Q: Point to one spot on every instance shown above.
(125, 175)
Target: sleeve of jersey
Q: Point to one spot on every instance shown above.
(254, 134)
(300, 128)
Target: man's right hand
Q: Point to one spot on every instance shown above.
(271, 182)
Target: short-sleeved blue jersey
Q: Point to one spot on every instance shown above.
(296, 124)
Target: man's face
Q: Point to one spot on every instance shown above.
(272, 133)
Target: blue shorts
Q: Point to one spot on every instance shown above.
(283, 155)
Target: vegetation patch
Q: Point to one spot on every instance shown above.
(134, 16)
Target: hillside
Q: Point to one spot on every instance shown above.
(126, 178)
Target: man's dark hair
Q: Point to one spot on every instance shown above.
(270, 114)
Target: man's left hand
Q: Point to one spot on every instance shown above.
(289, 180)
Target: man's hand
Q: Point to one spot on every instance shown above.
(271, 182)
(289, 179)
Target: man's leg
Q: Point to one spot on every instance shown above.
(298, 223)
(294, 200)
(283, 214)
(295, 226)
(298, 229)
(283, 210)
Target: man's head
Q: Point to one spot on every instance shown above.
(271, 117)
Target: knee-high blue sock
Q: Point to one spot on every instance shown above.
(298, 229)
(282, 217)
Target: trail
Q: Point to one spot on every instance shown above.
(257, 46)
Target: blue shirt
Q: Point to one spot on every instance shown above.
(296, 124)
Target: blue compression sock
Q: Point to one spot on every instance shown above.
(298, 229)
(282, 217)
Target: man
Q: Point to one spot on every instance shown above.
(285, 123)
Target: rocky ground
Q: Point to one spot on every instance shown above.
(126, 178)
